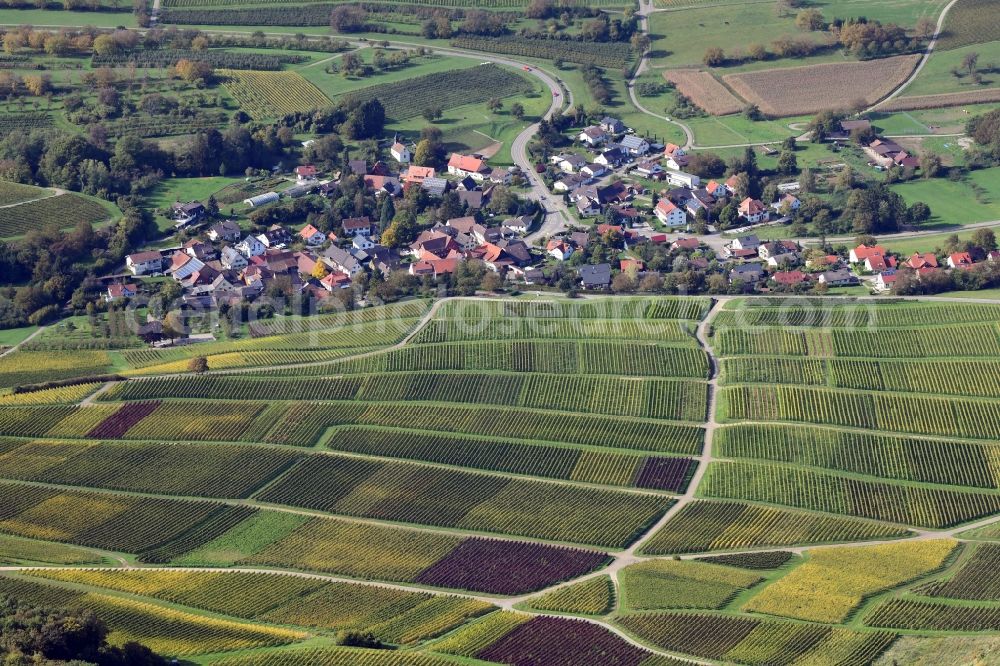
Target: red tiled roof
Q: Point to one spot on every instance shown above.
(466, 163)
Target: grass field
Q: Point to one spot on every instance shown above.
(44, 17)
(956, 203)
(936, 77)
(681, 38)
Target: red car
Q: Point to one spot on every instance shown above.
(527, 69)
(555, 94)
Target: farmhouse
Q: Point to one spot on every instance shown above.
(143, 263)
(859, 254)
(467, 165)
(846, 127)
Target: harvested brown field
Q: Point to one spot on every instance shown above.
(704, 90)
(941, 101)
(796, 91)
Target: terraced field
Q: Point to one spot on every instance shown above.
(446, 461)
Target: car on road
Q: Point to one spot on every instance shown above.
(526, 68)
(555, 94)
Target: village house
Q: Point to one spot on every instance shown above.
(467, 165)
(753, 211)
(748, 242)
(383, 184)
(571, 163)
(519, 225)
(231, 259)
(251, 247)
(336, 280)
(199, 250)
(592, 136)
(595, 276)
(859, 254)
(144, 263)
(434, 186)
(311, 235)
(631, 265)
(918, 261)
(224, 231)
(500, 176)
(885, 280)
(612, 125)
(840, 277)
(276, 236)
(570, 182)
(876, 263)
(685, 244)
(887, 153)
(362, 243)
(612, 157)
(786, 204)
(357, 226)
(417, 175)
(746, 273)
(960, 260)
(790, 278)
(561, 250)
(669, 214)
(635, 145)
(305, 173)
(341, 260)
(681, 179)
(117, 292)
(592, 171)
(649, 169)
(776, 248)
(186, 213)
